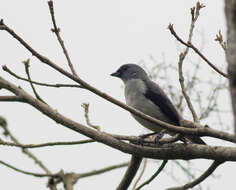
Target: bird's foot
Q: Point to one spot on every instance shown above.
(159, 136)
(143, 137)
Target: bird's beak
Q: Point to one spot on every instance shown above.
(116, 74)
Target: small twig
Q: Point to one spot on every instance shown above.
(154, 175)
(86, 111)
(195, 11)
(7, 132)
(190, 45)
(201, 178)
(185, 170)
(219, 38)
(5, 68)
(56, 30)
(25, 172)
(45, 144)
(141, 174)
(27, 65)
(103, 170)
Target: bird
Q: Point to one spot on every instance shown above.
(147, 96)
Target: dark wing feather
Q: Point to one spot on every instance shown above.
(158, 97)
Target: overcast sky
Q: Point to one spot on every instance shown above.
(100, 36)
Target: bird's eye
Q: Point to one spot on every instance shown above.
(124, 69)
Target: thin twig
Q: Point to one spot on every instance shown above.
(7, 132)
(190, 45)
(201, 178)
(103, 170)
(27, 65)
(154, 175)
(56, 30)
(141, 174)
(219, 38)
(25, 172)
(5, 68)
(45, 144)
(195, 12)
(86, 111)
(185, 170)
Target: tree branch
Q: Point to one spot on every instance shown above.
(45, 144)
(201, 178)
(201, 132)
(190, 151)
(130, 173)
(190, 45)
(27, 65)
(56, 30)
(11, 99)
(154, 175)
(141, 173)
(182, 56)
(25, 172)
(5, 68)
(7, 132)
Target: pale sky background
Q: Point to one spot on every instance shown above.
(100, 36)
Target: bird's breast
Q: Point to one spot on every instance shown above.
(134, 95)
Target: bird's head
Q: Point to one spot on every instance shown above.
(130, 71)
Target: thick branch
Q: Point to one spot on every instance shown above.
(11, 99)
(175, 151)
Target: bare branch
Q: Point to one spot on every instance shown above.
(206, 174)
(100, 171)
(56, 30)
(27, 65)
(130, 173)
(45, 144)
(203, 131)
(154, 175)
(11, 99)
(5, 68)
(141, 174)
(25, 172)
(7, 132)
(86, 111)
(53, 114)
(190, 45)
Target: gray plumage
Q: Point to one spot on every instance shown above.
(146, 96)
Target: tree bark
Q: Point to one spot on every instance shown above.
(230, 12)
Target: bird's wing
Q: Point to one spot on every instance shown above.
(158, 97)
